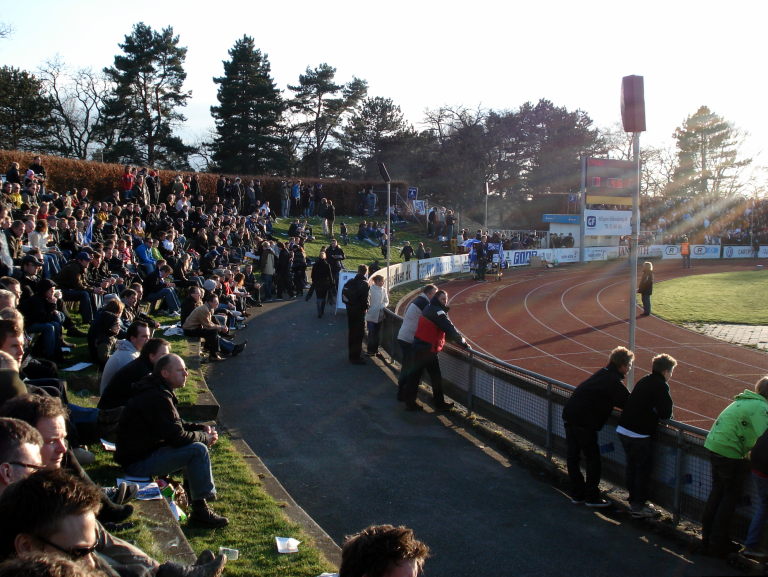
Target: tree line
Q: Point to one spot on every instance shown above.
(321, 127)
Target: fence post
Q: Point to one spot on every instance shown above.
(677, 499)
(471, 387)
(548, 446)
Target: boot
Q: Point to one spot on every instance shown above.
(202, 514)
(212, 568)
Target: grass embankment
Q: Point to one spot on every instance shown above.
(731, 297)
(255, 517)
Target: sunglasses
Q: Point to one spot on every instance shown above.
(74, 553)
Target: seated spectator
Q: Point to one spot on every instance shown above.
(145, 260)
(74, 285)
(104, 331)
(200, 323)
(119, 389)
(42, 316)
(125, 351)
(152, 439)
(157, 286)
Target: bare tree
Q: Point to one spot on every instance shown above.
(78, 99)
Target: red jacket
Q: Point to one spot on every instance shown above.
(429, 332)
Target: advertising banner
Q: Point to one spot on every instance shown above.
(738, 252)
(607, 222)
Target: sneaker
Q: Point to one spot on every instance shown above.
(212, 568)
(577, 500)
(598, 503)
(202, 514)
(644, 512)
(238, 349)
(174, 314)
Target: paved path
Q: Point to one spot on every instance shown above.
(752, 335)
(335, 437)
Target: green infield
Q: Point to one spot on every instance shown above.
(730, 297)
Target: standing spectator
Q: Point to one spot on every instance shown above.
(645, 287)
(379, 299)
(406, 334)
(355, 296)
(268, 269)
(335, 255)
(127, 181)
(685, 251)
(729, 442)
(322, 282)
(758, 458)
(648, 403)
(330, 217)
(431, 333)
(584, 414)
(407, 251)
(153, 440)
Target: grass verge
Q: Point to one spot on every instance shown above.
(732, 297)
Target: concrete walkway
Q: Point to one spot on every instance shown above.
(339, 442)
(751, 335)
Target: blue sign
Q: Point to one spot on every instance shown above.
(561, 218)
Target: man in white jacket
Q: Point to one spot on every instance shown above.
(125, 351)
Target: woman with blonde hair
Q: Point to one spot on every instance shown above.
(645, 287)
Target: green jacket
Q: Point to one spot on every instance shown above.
(738, 427)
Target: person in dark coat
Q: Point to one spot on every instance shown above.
(645, 287)
(648, 403)
(585, 413)
(119, 390)
(357, 289)
(152, 439)
(322, 282)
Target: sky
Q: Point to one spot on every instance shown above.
(425, 54)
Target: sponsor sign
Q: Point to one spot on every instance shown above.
(420, 207)
(763, 252)
(705, 251)
(562, 218)
(607, 222)
(738, 252)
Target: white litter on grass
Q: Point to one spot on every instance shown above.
(287, 545)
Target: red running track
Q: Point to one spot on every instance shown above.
(563, 323)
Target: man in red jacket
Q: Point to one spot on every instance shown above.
(434, 327)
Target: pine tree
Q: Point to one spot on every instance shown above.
(324, 106)
(25, 110)
(248, 132)
(708, 162)
(142, 111)
(366, 133)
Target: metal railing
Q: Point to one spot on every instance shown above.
(530, 406)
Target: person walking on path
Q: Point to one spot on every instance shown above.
(355, 295)
(645, 287)
(585, 413)
(431, 332)
(648, 403)
(729, 442)
(322, 282)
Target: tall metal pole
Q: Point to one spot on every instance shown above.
(485, 224)
(635, 239)
(385, 178)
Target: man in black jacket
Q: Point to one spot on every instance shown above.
(649, 402)
(152, 439)
(357, 290)
(119, 389)
(584, 414)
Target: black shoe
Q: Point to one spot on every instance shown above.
(205, 557)
(202, 514)
(121, 494)
(444, 406)
(238, 349)
(212, 568)
(113, 513)
(75, 332)
(259, 305)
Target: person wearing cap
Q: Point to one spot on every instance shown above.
(74, 285)
(42, 316)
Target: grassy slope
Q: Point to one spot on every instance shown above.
(733, 297)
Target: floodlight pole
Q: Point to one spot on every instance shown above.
(633, 249)
(485, 224)
(387, 180)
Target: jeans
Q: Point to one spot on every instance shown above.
(406, 367)
(267, 283)
(50, 335)
(639, 463)
(169, 295)
(373, 337)
(193, 460)
(583, 440)
(727, 480)
(84, 298)
(755, 531)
